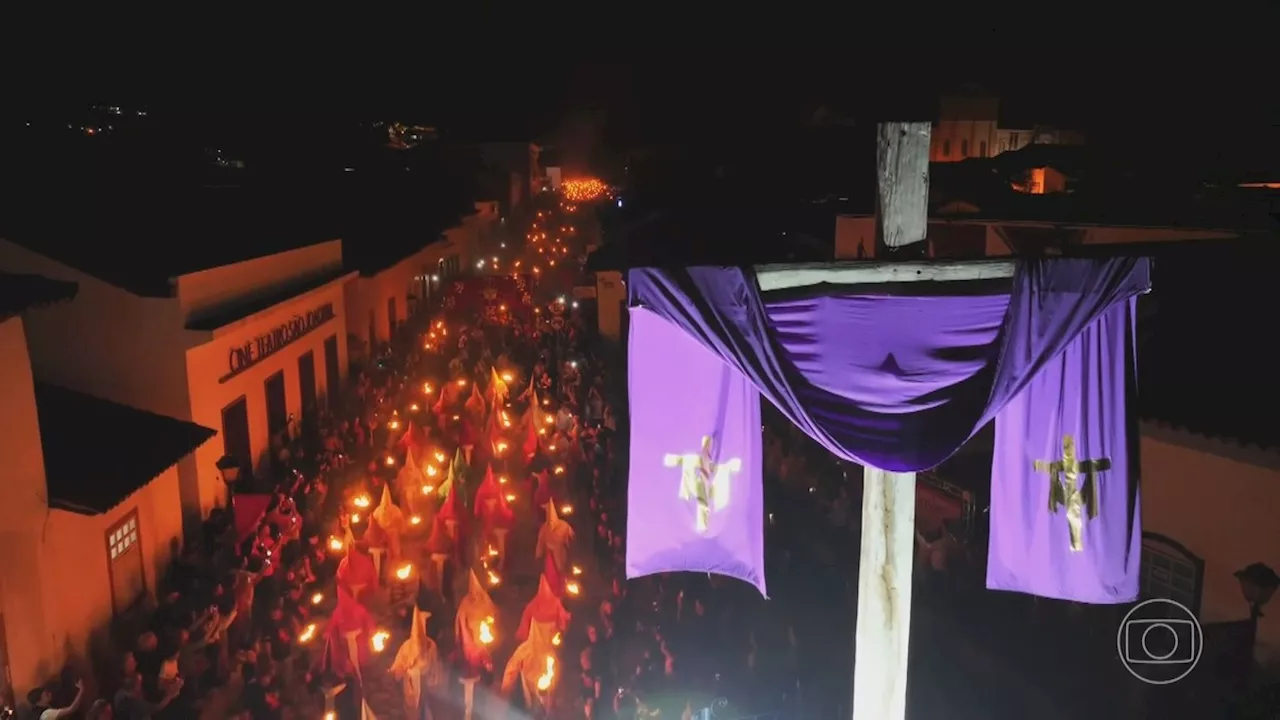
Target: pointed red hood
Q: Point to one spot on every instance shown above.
(489, 489)
(466, 432)
(530, 444)
(503, 516)
(545, 607)
(439, 543)
(374, 534)
(449, 508)
(357, 568)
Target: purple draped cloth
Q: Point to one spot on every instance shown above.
(905, 389)
(694, 494)
(1064, 501)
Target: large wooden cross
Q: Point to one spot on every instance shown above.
(888, 498)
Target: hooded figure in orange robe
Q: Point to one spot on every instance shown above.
(475, 608)
(554, 537)
(417, 665)
(534, 667)
(389, 517)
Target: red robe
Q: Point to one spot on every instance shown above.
(545, 607)
(357, 569)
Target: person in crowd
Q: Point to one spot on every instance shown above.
(42, 702)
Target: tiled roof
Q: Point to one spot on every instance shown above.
(97, 453)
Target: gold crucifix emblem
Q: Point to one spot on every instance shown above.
(704, 481)
(1066, 491)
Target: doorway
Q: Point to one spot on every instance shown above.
(128, 576)
(307, 384)
(235, 433)
(332, 371)
(277, 409)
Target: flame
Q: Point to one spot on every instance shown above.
(432, 471)
(544, 681)
(492, 551)
(355, 518)
(415, 520)
(542, 431)
(404, 571)
(559, 470)
(548, 419)
(390, 461)
(502, 447)
(546, 401)
(427, 389)
(566, 509)
(413, 407)
(577, 570)
(439, 324)
(457, 417)
(317, 598)
(502, 480)
(555, 640)
(485, 635)
(439, 457)
(331, 716)
(494, 580)
(335, 544)
(379, 640)
(307, 633)
(502, 307)
(511, 497)
(462, 382)
(507, 377)
(552, 448)
(361, 501)
(394, 424)
(572, 588)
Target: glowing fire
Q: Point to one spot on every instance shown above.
(317, 598)
(432, 471)
(542, 431)
(335, 544)
(582, 190)
(361, 501)
(428, 489)
(413, 407)
(502, 480)
(404, 571)
(492, 551)
(427, 389)
(577, 570)
(379, 640)
(559, 470)
(307, 633)
(486, 632)
(544, 680)
(415, 520)
(549, 419)
(566, 509)
(501, 448)
(511, 497)
(462, 382)
(545, 402)
(390, 461)
(507, 377)
(556, 640)
(394, 424)
(439, 457)
(572, 588)
(494, 580)
(355, 518)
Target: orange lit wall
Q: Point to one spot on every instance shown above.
(1219, 500)
(611, 297)
(208, 365)
(55, 592)
(209, 290)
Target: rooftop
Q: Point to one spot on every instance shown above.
(71, 426)
(139, 237)
(19, 293)
(378, 233)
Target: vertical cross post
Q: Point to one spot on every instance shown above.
(889, 498)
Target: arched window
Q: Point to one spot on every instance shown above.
(1170, 571)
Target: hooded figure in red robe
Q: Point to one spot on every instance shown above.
(439, 548)
(356, 572)
(545, 609)
(349, 617)
(487, 495)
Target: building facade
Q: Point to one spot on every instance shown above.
(250, 349)
(968, 126)
(1193, 488)
(79, 556)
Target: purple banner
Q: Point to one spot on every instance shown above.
(695, 493)
(1065, 516)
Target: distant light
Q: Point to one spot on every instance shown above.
(348, 169)
(480, 264)
(619, 202)
(435, 278)
(575, 304)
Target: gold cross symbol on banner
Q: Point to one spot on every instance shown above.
(704, 481)
(1066, 491)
